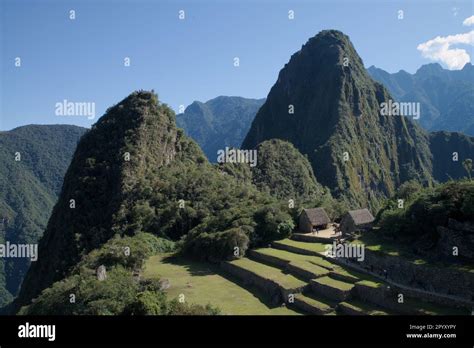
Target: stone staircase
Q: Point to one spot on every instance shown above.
(297, 274)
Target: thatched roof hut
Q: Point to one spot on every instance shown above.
(312, 219)
(360, 219)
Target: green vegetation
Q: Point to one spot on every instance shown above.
(337, 110)
(284, 172)
(416, 224)
(287, 281)
(136, 172)
(29, 188)
(316, 270)
(467, 164)
(370, 284)
(292, 257)
(445, 145)
(362, 307)
(333, 283)
(119, 293)
(217, 246)
(321, 304)
(312, 247)
(203, 283)
(137, 183)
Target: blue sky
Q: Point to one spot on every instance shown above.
(82, 60)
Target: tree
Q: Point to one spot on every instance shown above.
(467, 164)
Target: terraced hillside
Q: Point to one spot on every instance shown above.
(299, 275)
(290, 277)
(203, 283)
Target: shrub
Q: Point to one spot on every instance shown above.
(148, 303)
(129, 252)
(217, 246)
(177, 308)
(431, 207)
(273, 223)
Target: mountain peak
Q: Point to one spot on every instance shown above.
(135, 137)
(322, 99)
(431, 68)
(331, 35)
(331, 43)
(219, 122)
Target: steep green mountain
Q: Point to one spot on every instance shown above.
(219, 122)
(449, 151)
(329, 108)
(29, 188)
(136, 173)
(446, 97)
(284, 171)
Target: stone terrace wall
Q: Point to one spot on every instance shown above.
(448, 281)
(267, 286)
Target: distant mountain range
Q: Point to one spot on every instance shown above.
(219, 122)
(34, 159)
(446, 97)
(446, 100)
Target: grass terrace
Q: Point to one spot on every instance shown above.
(370, 284)
(315, 301)
(363, 307)
(313, 247)
(333, 283)
(203, 283)
(292, 257)
(287, 281)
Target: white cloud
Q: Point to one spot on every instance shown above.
(440, 49)
(468, 21)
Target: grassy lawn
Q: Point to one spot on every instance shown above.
(370, 284)
(314, 247)
(357, 276)
(293, 257)
(203, 283)
(318, 271)
(334, 283)
(347, 274)
(325, 301)
(313, 302)
(285, 280)
(364, 307)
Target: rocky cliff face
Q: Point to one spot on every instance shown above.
(328, 107)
